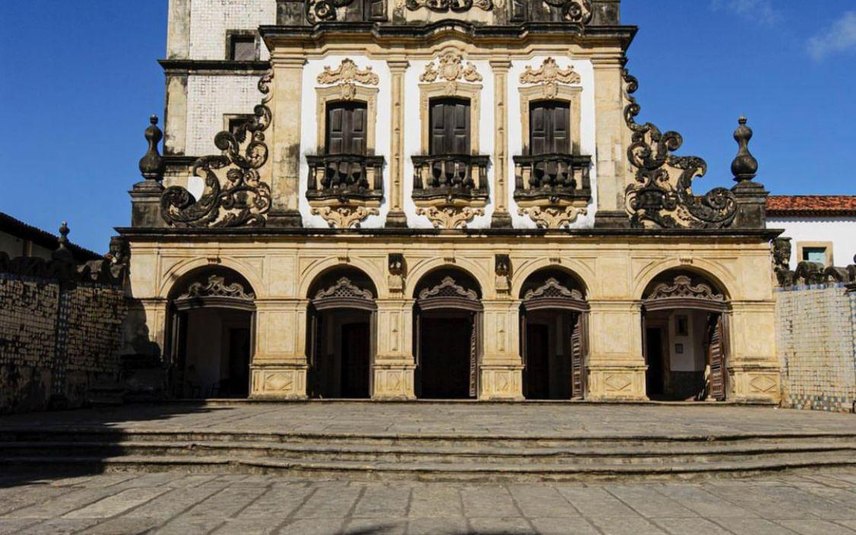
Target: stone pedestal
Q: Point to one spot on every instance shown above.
(145, 204)
(394, 365)
(393, 380)
(501, 370)
(280, 366)
(279, 381)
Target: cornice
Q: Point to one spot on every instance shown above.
(213, 66)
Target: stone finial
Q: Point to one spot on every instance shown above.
(151, 165)
(745, 166)
(62, 253)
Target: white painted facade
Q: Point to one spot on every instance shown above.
(210, 19)
(841, 231)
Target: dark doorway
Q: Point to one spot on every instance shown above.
(237, 384)
(356, 360)
(654, 341)
(537, 362)
(446, 357)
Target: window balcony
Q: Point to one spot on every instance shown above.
(344, 189)
(450, 178)
(552, 189)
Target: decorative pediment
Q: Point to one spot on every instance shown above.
(448, 287)
(348, 72)
(550, 75)
(444, 6)
(234, 193)
(662, 194)
(344, 289)
(217, 287)
(552, 289)
(450, 68)
(682, 287)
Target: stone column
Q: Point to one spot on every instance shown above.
(279, 366)
(616, 365)
(394, 364)
(501, 218)
(611, 160)
(396, 217)
(753, 367)
(286, 108)
(501, 370)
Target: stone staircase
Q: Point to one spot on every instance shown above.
(425, 456)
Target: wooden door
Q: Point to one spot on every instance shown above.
(654, 344)
(346, 128)
(450, 126)
(355, 360)
(716, 356)
(549, 123)
(578, 352)
(537, 361)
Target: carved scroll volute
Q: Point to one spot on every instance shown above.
(549, 75)
(234, 194)
(574, 11)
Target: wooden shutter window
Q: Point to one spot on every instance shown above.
(346, 128)
(549, 128)
(450, 126)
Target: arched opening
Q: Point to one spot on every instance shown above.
(447, 335)
(341, 334)
(211, 334)
(554, 335)
(685, 337)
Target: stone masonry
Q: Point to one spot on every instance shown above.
(816, 338)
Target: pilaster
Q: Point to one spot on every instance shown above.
(501, 216)
(616, 366)
(753, 366)
(501, 370)
(396, 217)
(394, 364)
(286, 103)
(280, 365)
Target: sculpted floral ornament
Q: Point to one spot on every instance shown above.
(217, 287)
(344, 216)
(347, 74)
(682, 287)
(552, 288)
(443, 6)
(448, 287)
(450, 68)
(552, 217)
(575, 11)
(550, 76)
(662, 194)
(324, 10)
(450, 217)
(234, 193)
(345, 289)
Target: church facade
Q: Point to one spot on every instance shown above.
(440, 199)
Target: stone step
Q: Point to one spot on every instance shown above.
(616, 454)
(470, 471)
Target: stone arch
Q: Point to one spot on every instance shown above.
(180, 270)
(715, 273)
(320, 269)
(575, 269)
(474, 270)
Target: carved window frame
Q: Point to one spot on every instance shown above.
(346, 93)
(827, 245)
(432, 90)
(572, 95)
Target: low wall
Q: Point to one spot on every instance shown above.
(60, 329)
(816, 340)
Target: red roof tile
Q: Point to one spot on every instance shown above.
(811, 205)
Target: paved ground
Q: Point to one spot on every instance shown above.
(448, 418)
(188, 504)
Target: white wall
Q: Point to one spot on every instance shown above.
(209, 20)
(693, 357)
(840, 231)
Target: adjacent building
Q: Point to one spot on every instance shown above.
(822, 228)
(437, 199)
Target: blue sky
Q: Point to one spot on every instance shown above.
(79, 79)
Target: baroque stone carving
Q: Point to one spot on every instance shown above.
(550, 75)
(576, 11)
(781, 261)
(662, 193)
(239, 197)
(450, 68)
(448, 288)
(450, 217)
(552, 288)
(683, 287)
(348, 72)
(324, 10)
(553, 216)
(345, 289)
(397, 267)
(344, 216)
(443, 6)
(217, 287)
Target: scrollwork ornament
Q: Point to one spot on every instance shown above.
(553, 217)
(450, 217)
(234, 194)
(324, 10)
(444, 6)
(662, 192)
(575, 11)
